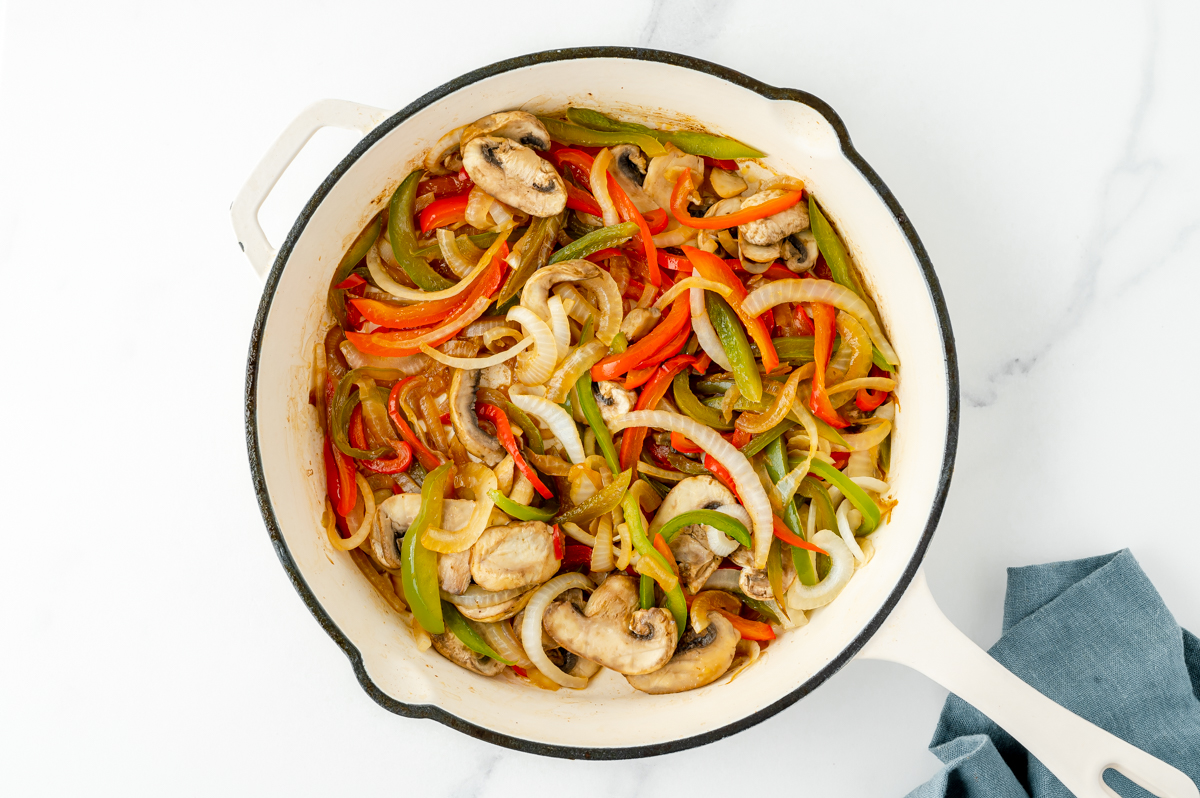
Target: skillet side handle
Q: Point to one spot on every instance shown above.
(325, 113)
(1077, 752)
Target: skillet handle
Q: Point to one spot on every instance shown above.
(325, 113)
(1077, 752)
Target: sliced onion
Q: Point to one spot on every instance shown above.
(547, 463)
(414, 295)
(531, 627)
(721, 545)
(599, 182)
(475, 597)
(870, 383)
(626, 552)
(364, 529)
(859, 441)
(576, 533)
(602, 552)
(648, 498)
(502, 215)
(571, 369)
(754, 498)
(408, 365)
(536, 367)
(793, 290)
(560, 327)
(476, 362)
(481, 326)
(688, 283)
(856, 343)
(479, 202)
(705, 333)
(481, 479)
(758, 423)
(660, 473)
(724, 579)
(560, 424)
(495, 334)
(500, 637)
(453, 256)
(871, 483)
(676, 237)
(608, 302)
(576, 304)
(809, 597)
(847, 533)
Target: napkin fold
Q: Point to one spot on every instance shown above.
(1095, 636)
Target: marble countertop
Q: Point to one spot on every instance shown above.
(1045, 153)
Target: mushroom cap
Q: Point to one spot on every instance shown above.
(454, 572)
(638, 322)
(763, 232)
(755, 583)
(611, 632)
(800, 251)
(695, 559)
(520, 126)
(613, 400)
(398, 512)
(461, 396)
(694, 493)
(631, 163)
(516, 555)
(515, 175)
(700, 659)
(454, 650)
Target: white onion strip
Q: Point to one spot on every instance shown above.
(608, 302)
(500, 637)
(809, 597)
(447, 541)
(385, 281)
(859, 441)
(871, 383)
(560, 423)
(599, 183)
(452, 254)
(754, 497)
(476, 597)
(847, 533)
(531, 627)
(535, 368)
(364, 529)
(687, 283)
(476, 362)
(560, 327)
(705, 333)
(871, 483)
(779, 291)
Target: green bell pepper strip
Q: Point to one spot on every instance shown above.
(604, 238)
(603, 501)
(878, 359)
(466, 633)
(736, 345)
(689, 141)
(358, 251)
(742, 404)
(533, 437)
(531, 252)
(885, 454)
(856, 495)
(588, 332)
(520, 511)
(761, 608)
(831, 247)
(434, 250)
(685, 464)
(830, 434)
(645, 592)
(585, 137)
(418, 565)
(637, 532)
(595, 420)
(760, 442)
(777, 468)
(343, 406)
(693, 408)
(404, 238)
(619, 344)
(659, 488)
(730, 526)
(812, 489)
(775, 570)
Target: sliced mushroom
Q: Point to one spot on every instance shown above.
(629, 170)
(611, 631)
(800, 251)
(768, 254)
(520, 126)
(638, 322)
(776, 227)
(443, 158)
(726, 184)
(536, 293)
(755, 584)
(499, 376)
(453, 649)
(700, 659)
(398, 512)
(698, 548)
(463, 385)
(659, 184)
(495, 612)
(515, 175)
(613, 400)
(695, 559)
(517, 555)
(693, 493)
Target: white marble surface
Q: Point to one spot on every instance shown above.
(1047, 155)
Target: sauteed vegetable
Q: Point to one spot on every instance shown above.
(597, 395)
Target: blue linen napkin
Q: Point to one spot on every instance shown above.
(1095, 636)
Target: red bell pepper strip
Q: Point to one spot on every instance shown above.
(634, 437)
(504, 433)
(721, 473)
(671, 348)
(445, 185)
(676, 263)
(868, 399)
(749, 630)
(358, 439)
(407, 316)
(683, 445)
(407, 342)
(791, 538)
(603, 254)
(702, 364)
(664, 333)
(339, 479)
(727, 164)
(629, 213)
(660, 544)
(558, 543)
(574, 555)
(683, 189)
(444, 211)
(577, 162)
(740, 438)
(580, 200)
(710, 267)
(823, 319)
(656, 220)
(428, 458)
(353, 281)
(639, 377)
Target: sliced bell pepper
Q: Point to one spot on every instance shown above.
(443, 212)
(855, 494)
(603, 501)
(737, 348)
(740, 438)
(404, 317)
(672, 347)
(831, 249)
(662, 335)
(467, 635)
(358, 250)
(429, 459)
(721, 473)
(638, 377)
(727, 524)
(682, 444)
(776, 462)
(728, 164)
(690, 141)
(693, 408)
(580, 200)
(637, 532)
(660, 545)
(575, 555)
(504, 433)
(595, 241)
(595, 420)
(445, 185)
(577, 162)
(404, 239)
(586, 137)
(339, 479)
(710, 267)
(559, 543)
(656, 220)
(633, 437)
(358, 439)
(791, 538)
(749, 630)
(680, 198)
(353, 281)
(418, 565)
(867, 399)
(629, 213)
(823, 320)
(520, 511)
(676, 263)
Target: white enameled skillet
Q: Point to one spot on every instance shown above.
(886, 612)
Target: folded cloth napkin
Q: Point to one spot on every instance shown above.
(1095, 636)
